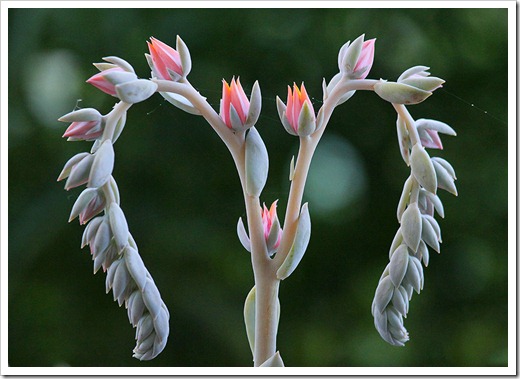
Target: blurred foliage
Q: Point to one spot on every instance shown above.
(181, 194)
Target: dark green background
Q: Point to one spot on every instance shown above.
(182, 199)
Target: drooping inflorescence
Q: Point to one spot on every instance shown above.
(415, 212)
(112, 247)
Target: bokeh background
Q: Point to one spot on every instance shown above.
(181, 194)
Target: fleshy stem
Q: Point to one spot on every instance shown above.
(264, 270)
(307, 148)
(108, 134)
(414, 139)
(409, 122)
(113, 118)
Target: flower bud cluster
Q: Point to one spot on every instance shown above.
(113, 248)
(111, 245)
(91, 169)
(117, 78)
(418, 228)
(412, 87)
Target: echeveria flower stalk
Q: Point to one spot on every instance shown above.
(275, 253)
(298, 115)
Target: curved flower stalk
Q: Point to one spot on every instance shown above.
(418, 228)
(112, 247)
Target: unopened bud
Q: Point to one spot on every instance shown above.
(399, 93)
(422, 168)
(118, 225)
(136, 91)
(102, 165)
(79, 173)
(411, 226)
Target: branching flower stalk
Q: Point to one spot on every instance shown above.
(276, 249)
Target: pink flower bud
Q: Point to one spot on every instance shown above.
(271, 224)
(166, 60)
(431, 139)
(234, 105)
(366, 59)
(100, 81)
(299, 112)
(272, 230)
(84, 130)
(89, 203)
(429, 132)
(355, 59)
(86, 125)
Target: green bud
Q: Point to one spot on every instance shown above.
(399, 93)
(444, 178)
(411, 226)
(118, 225)
(405, 197)
(398, 265)
(429, 235)
(136, 91)
(422, 168)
